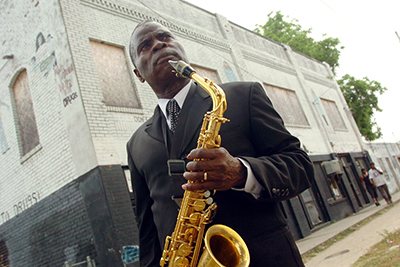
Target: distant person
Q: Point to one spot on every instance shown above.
(376, 177)
(369, 186)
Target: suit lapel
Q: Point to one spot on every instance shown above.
(154, 128)
(197, 103)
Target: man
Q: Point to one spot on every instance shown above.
(258, 164)
(376, 177)
(369, 186)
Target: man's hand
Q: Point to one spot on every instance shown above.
(223, 171)
(374, 168)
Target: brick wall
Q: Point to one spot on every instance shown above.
(53, 231)
(27, 180)
(90, 216)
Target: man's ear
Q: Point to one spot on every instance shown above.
(137, 73)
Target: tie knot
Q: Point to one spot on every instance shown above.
(173, 112)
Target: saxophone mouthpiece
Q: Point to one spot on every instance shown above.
(173, 63)
(182, 68)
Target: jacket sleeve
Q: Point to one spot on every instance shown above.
(282, 168)
(149, 245)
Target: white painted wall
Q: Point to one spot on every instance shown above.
(66, 150)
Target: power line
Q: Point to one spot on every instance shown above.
(343, 18)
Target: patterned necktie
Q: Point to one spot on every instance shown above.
(173, 112)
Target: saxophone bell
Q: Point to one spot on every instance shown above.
(224, 248)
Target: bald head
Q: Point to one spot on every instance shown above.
(151, 47)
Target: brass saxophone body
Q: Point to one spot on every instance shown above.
(222, 245)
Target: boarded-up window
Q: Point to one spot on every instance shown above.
(28, 132)
(115, 80)
(4, 261)
(3, 140)
(333, 114)
(207, 73)
(287, 104)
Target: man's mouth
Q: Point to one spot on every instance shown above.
(165, 57)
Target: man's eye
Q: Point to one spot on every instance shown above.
(144, 47)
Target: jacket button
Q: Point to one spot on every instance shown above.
(278, 192)
(274, 191)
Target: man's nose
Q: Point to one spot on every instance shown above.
(159, 45)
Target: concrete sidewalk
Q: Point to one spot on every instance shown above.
(356, 244)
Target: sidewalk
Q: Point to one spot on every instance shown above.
(356, 243)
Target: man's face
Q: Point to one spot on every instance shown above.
(152, 45)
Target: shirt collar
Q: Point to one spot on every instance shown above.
(179, 97)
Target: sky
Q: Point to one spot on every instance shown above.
(367, 29)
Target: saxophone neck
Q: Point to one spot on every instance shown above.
(183, 69)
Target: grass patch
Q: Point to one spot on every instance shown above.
(312, 253)
(384, 254)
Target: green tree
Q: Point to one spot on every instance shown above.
(362, 99)
(361, 95)
(292, 34)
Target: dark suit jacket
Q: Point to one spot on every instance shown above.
(256, 134)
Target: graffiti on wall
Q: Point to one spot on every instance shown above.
(65, 84)
(26, 203)
(21, 206)
(140, 119)
(130, 254)
(45, 57)
(70, 98)
(229, 72)
(5, 216)
(45, 61)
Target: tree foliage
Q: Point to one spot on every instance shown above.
(292, 34)
(361, 97)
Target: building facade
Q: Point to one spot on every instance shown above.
(69, 102)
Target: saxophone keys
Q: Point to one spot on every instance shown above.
(194, 218)
(184, 250)
(199, 205)
(181, 262)
(190, 235)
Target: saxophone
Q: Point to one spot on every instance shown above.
(222, 245)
